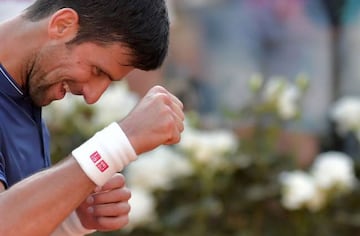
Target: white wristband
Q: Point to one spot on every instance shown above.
(106, 153)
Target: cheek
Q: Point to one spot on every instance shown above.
(78, 74)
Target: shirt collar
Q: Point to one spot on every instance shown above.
(8, 84)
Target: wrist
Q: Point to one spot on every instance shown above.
(106, 153)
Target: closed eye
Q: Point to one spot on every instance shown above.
(99, 72)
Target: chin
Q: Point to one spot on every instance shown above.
(41, 103)
(47, 100)
(45, 103)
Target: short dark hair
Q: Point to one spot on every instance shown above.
(141, 25)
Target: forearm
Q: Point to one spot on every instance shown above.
(38, 204)
(41, 202)
(72, 226)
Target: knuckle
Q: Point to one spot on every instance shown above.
(164, 98)
(161, 97)
(177, 139)
(159, 88)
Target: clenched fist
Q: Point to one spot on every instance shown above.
(156, 120)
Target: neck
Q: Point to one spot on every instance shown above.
(20, 40)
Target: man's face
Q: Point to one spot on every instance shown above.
(86, 69)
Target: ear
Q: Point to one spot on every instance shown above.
(63, 24)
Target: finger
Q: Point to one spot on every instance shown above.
(111, 210)
(111, 223)
(113, 196)
(176, 101)
(157, 89)
(178, 111)
(175, 136)
(179, 123)
(116, 181)
(173, 98)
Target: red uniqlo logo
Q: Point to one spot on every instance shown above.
(102, 165)
(95, 157)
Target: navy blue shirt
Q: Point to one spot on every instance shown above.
(24, 138)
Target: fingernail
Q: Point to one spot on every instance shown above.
(90, 200)
(90, 210)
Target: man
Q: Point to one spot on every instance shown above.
(81, 46)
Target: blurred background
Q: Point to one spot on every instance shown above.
(271, 90)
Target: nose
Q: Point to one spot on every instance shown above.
(92, 92)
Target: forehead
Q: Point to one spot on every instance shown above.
(110, 51)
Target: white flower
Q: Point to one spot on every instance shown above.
(142, 211)
(318, 201)
(298, 189)
(334, 171)
(116, 102)
(284, 96)
(288, 102)
(157, 169)
(346, 114)
(58, 110)
(208, 147)
(274, 87)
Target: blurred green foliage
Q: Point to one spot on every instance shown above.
(241, 199)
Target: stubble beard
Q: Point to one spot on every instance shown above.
(35, 88)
